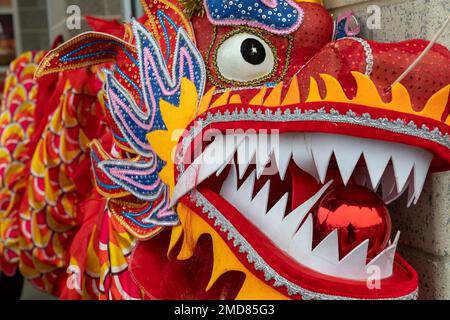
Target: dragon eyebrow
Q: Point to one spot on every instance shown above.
(276, 16)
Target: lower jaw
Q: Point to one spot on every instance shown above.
(281, 273)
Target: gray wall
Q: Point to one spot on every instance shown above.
(425, 239)
(42, 20)
(33, 24)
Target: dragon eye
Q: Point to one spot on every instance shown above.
(245, 57)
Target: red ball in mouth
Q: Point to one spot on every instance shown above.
(358, 214)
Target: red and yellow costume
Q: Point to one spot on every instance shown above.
(112, 187)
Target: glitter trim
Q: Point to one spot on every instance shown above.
(257, 34)
(259, 264)
(231, 20)
(296, 114)
(368, 52)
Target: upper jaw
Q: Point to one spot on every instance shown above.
(311, 117)
(395, 166)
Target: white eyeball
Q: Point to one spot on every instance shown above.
(245, 57)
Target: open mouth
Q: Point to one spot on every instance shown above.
(299, 191)
(345, 199)
(315, 203)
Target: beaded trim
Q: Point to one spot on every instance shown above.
(368, 52)
(251, 83)
(134, 232)
(236, 89)
(296, 114)
(259, 264)
(258, 15)
(255, 33)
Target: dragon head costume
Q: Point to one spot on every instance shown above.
(251, 156)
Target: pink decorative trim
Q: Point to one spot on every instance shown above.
(149, 59)
(116, 101)
(121, 174)
(270, 3)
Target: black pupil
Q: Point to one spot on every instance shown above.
(253, 51)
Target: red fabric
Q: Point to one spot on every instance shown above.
(57, 41)
(167, 278)
(112, 27)
(403, 282)
(89, 215)
(339, 58)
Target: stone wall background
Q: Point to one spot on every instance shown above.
(425, 238)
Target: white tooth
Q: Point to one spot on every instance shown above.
(397, 238)
(254, 210)
(221, 150)
(354, 263)
(377, 159)
(294, 233)
(328, 248)
(240, 198)
(411, 194)
(302, 242)
(246, 153)
(395, 194)
(283, 153)
(263, 153)
(275, 216)
(369, 184)
(322, 150)
(392, 197)
(421, 167)
(259, 205)
(388, 199)
(229, 186)
(347, 154)
(388, 182)
(403, 162)
(245, 193)
(384, 262)
(293, 220)
(219, 172)
(302, 154)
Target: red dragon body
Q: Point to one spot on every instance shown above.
(219, 150)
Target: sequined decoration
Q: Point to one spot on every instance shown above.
(276, 16)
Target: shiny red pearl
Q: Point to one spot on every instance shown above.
(359, 214)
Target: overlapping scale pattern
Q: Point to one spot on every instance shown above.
(16, 128)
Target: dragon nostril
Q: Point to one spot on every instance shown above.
(359, 214)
